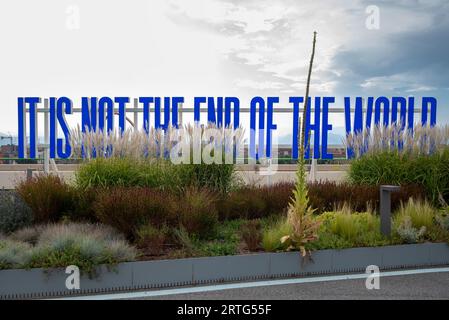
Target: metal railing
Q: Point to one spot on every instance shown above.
(135, 110)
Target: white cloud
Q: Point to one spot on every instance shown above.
(212, 47)
(264, 85)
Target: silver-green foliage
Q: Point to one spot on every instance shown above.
(14, 212)
(408, 234)
(63, 244)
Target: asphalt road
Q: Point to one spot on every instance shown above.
(418, 286)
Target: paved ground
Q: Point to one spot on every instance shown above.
(420, 286)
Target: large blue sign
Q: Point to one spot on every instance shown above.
(98, 114)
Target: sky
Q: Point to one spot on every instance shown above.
(239, 48)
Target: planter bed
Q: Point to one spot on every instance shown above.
(40, 283)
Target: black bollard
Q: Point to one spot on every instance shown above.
(385, 208)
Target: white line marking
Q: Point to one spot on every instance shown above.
(167, 292)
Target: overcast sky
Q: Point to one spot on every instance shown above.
(221, 47)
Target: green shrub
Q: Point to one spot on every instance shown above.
(430, 171)
(48, 196)
(420, 213)
(14, 212)
(197, 212)
(345, 229)
(407, 233)
(216, 248)
(84, 205)
(122, 172)
(226, 240)
(346, 226)
(215, 177)
(271, 238)
(152, 239)
(152, 173)
(184, 240)
(379, 168)
(126, 209)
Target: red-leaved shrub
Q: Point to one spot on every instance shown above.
(48, 196)
(326, 196)
(251, 233)
(126, 209)
(252, 202)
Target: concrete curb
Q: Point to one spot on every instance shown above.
(40, 283)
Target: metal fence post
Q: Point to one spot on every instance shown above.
(385, 208)
(29, 172)
(313, 170)
(136, 114)
(180, 115)
(46, 145)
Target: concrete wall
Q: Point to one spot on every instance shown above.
(287, 176)
(11, 174)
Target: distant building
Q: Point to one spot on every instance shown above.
(338, 151)
(284, 152)
(8, 151)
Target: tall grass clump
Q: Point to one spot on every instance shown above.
(218, 177)
(152, 239)
(420, 140)
(127, 172)
(197, 212)
(420, 213)
(140, 158)
(129, 209)
(253, 202)
(48, 196)
(345, 229)
(355, 227)
(272, 234)
(394, 156)
(251, 234)
(154, 173)
(126, 209)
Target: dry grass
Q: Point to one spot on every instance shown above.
(140, 144)
(420, 140)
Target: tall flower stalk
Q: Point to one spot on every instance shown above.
(300, 215)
